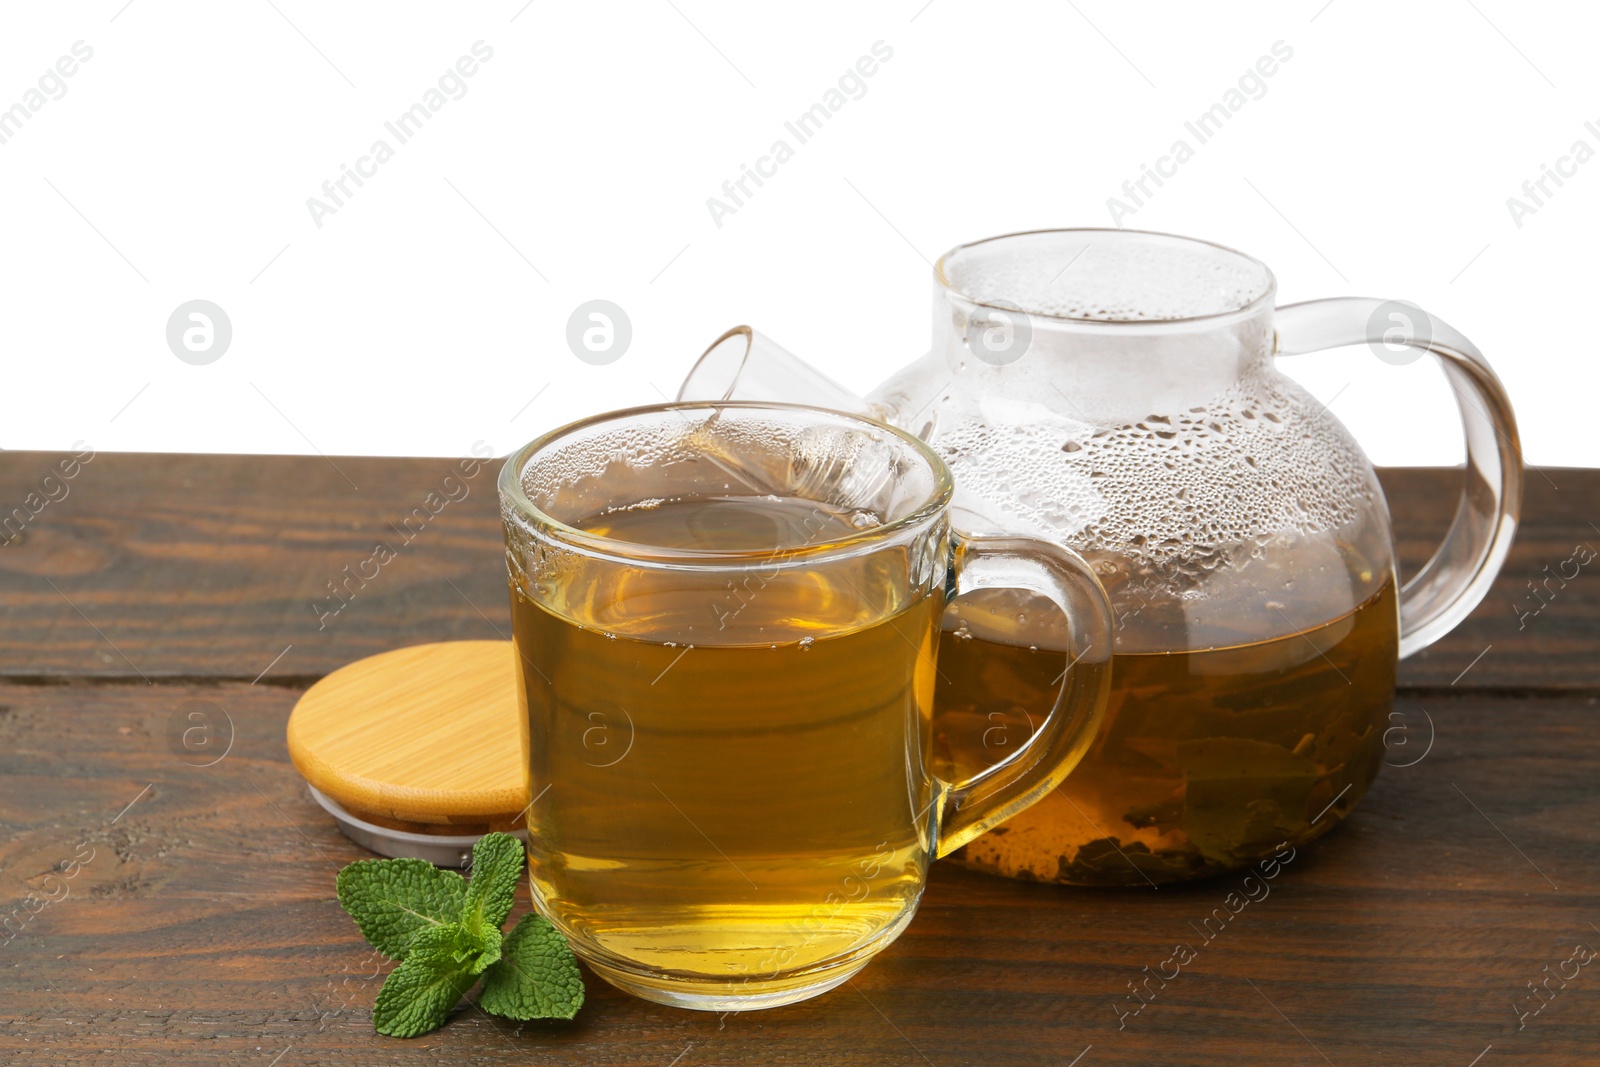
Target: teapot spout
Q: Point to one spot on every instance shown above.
(745, 365)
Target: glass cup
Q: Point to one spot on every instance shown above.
(727, 619)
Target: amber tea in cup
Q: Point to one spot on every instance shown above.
(727, 618)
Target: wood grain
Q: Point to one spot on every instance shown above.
(423, 734)
(203, 927)
(198, 566)
(166, 896)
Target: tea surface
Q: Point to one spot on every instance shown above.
(747, 804)
(1206, 761)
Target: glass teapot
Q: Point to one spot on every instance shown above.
(1119, 392)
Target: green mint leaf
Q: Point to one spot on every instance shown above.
(418, 995)
(467, 946)
(488, 957)
(459, 945)
(477, 949)
(498, 861)
(393, 901)
(536, 977)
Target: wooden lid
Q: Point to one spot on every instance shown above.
(431, 734)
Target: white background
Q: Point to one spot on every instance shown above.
(431, 308)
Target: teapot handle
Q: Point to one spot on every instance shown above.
(1458, 576)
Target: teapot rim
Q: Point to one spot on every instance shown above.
(1265, 300)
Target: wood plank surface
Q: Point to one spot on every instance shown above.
(203, 566)
(169, 899)
(203, 925)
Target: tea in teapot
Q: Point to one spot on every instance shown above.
(1118, 392)
(1207, 759)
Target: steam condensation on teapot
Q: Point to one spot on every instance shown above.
(1118, 392)
(1235, 526)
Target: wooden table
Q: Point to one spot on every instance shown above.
(199, 925)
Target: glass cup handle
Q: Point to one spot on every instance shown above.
(1458, 576)
(993, 795)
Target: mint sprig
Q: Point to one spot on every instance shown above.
(445, 931)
